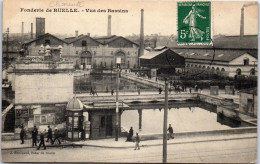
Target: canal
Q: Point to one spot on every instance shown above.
(102, 83)
(184, 116)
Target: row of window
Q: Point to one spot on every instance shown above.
(204, 67)
(84, 43)
(238, 71)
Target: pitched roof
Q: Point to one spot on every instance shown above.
(74, 39)
(152, 54)
(216, 55)
(249, 91)
(43, 36)
(109, 39)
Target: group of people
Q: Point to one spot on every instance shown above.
(42, 135)
(137, 138)
(131, 139)
(93, 91)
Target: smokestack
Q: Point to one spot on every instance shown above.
(242, 23)
(40, 26)
(22, 31)
(76, 33)
(109, 26)
(31, 30)
(141, 48)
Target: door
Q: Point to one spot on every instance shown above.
(250, 105)
(109, 127)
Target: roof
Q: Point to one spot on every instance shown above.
(160, 48)
(74, 104)
(249, 91)
(152, 54)
(216, 55)
(72, 39)
(43, 36)
(104, 105)
(108, 39)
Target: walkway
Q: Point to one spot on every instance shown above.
(111, 143)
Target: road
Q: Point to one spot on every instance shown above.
(235, 151)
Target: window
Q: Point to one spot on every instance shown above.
(102, 121)
(84, 43)
(47, 42)
(246, 61)
(239, 71)
(252, 71)
(44, 119)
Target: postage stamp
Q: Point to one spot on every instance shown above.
(194, 23)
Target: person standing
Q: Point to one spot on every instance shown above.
(139, 91)
(34, 136)
(170, 134)
(95, 92)
(130, 134)
(49, 134)
(22, 134)
(41, 141)
(106, 89)
(160, 90)
(137, 141)
(56, 136)
(112, 91)
(190, 89)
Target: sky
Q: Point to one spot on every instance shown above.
(159, 17)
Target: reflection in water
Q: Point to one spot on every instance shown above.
(182, 119)
(228, 121)
(104, 83)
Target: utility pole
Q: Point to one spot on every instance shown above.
(165, 123)
(118, 61)
(7, 45)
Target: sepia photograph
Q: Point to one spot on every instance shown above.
(129, 81)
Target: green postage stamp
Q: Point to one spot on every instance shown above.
(194, 23)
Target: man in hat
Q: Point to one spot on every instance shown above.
(34, 136)
(170, 134)
(56, 136)
(49, 134)
(137, 141)
(41, 141)
(22, 135)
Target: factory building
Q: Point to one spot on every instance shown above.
(87, 52)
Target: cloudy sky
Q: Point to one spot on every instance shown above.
(159, 17)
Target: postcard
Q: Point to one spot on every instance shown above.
(130, 81)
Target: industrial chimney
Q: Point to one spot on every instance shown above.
(242, 23)
(109, 26)
(40, 27)
(22, 31)
(141, 47)
(31, 30)
(76, 33)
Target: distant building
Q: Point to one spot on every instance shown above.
(164, 60)
(88, 52)
(229, 56)
(248, 101)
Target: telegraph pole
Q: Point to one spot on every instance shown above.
(7, 45)
(117, 103)
(165, 123)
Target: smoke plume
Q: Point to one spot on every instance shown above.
(250, 4)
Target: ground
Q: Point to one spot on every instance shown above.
(225, 151)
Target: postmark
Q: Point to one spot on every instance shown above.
(194, 23)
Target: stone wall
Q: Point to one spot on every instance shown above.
(38, 88)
